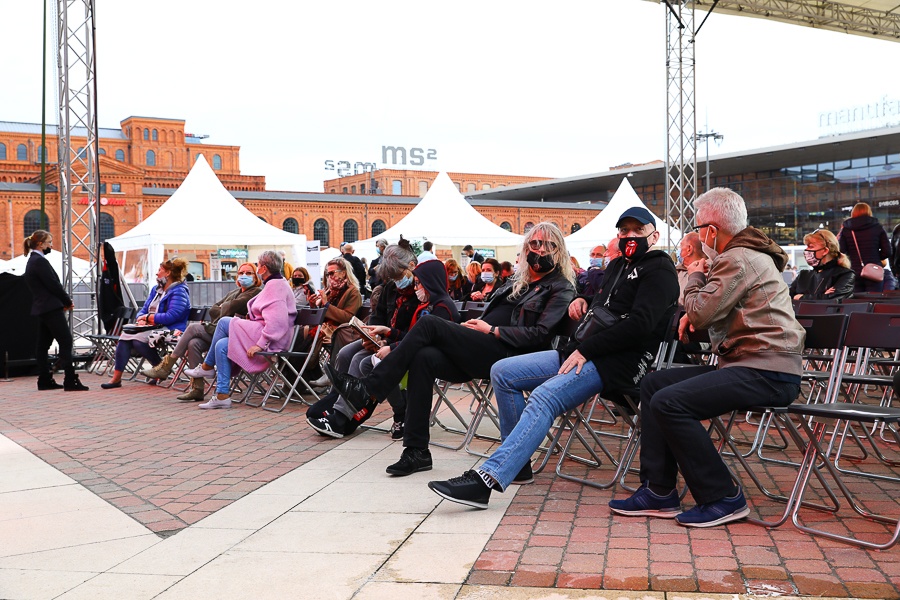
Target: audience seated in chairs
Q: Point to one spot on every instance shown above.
(269, 326)
(196, 339)
(488, 281)
(830, 277)
(641, 293)
(522, 317)
(429, 297)
(739, 296)
(302, 287)
(167, 306)
(342, 300)
(458, 285)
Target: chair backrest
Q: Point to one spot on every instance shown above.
(832, 308)
(872, 330)
(824, 331)
(886, 308)
(476, 306)
(197, 313)
(310, 317)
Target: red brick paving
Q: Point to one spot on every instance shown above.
(165, 463)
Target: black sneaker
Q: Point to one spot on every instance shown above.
(73, 384)
(525, 476)
(46, 382)
(352, 389)
(397, 431)
(330, 425)
(411, 461)
(469, 489)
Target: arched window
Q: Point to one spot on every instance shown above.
(396, 187)
(42, 154)
(470, 187)
(146, 134)
(32, 222)
(352, 189)
(151, 158)
(528, 227)
(290, 225)
(506, 225)
(423, 188)
(378, 227)
(120, 155)
(101, 151)
(107, 227)
(22, 154)
(81, 152)
(155, 136)
(217, 162)
(458, 188)
(351, 230)
(320, 232)
(2, 151)
(575, 227)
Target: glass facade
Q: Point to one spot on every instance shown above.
(790, 202)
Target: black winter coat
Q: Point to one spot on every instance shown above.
(44, 284)
(812, 283)
(872, 239)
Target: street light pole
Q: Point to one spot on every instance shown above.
(705, 138)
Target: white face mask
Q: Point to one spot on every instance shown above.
(422, 295)
(710, 252)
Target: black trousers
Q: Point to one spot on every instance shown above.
(433, 349)
(673, 404)
(53, 325)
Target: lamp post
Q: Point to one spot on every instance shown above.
(705, 138)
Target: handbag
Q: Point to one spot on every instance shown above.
(132, 328)
(594, 320)
(870, 271)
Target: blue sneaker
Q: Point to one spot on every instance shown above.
(644, 503)
(715, 513)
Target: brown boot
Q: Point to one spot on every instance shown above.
(162, 370)
(195, 394)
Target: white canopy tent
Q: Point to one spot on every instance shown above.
(445, 218)
(203, 214)
(602, 228)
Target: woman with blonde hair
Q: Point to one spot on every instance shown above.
(864, 241)
(829, 277)
(167, 307)
(49, 304)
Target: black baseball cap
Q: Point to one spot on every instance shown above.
(637, 212)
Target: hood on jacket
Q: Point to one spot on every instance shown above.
(433, 276)
(754, 239)
(862, 222)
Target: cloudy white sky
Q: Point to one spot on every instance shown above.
(506, 87)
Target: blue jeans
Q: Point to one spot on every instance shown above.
(218, 356)
(523, 427)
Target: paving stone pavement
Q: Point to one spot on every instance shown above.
(129, 493)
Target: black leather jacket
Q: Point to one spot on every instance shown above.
(812, 283)
(536, 314)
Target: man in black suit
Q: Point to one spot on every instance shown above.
(49, 305)
(470, 252)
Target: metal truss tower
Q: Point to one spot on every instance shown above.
(78, 169)
(681, 121)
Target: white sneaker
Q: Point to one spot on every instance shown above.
(199, 372)
(321, 382)
(216, 403)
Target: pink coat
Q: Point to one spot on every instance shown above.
(269, 325)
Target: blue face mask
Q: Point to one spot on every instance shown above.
(487, 277)
(404, 282)
(597, 262)
(245, 281)
(453, 277)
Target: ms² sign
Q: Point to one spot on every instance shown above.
(390, 155)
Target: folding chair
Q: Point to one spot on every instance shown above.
(196, 315)
(282, 379)
(105, 344)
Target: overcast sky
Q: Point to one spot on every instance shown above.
(503, 87)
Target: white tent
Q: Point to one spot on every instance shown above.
(445, 218)
(203, 214)
(16, 266)
(602, 228)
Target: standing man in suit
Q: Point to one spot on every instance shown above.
(50, 303)
(470, 252)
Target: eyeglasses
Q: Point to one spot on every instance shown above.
(547, 244)
(699, 227)
(245, 273)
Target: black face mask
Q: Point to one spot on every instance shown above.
(46, 251)
(297, 281)
(634, 247)
(541, 264)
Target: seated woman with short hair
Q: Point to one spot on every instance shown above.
(269, 326)
(168, 305)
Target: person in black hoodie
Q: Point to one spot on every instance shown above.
(521, 317)
(830, 277)
(50, 302)
(641, 289)
(864, 241)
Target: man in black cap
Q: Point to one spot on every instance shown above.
(641, 290)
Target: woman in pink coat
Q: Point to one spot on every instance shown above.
(268, 327)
